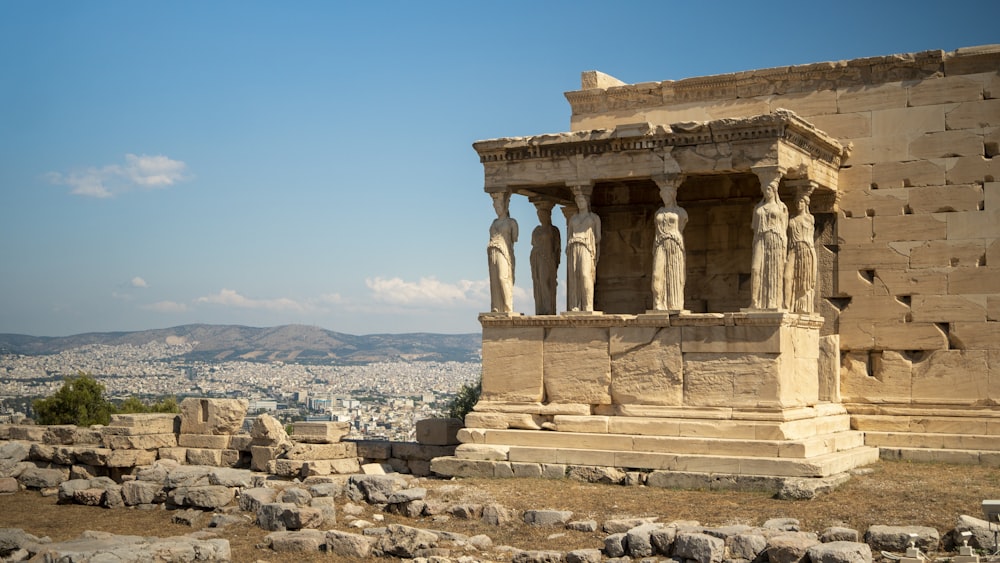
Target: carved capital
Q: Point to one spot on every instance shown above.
(584, 188)
(769, 175)
(802, 188)
(542, 204)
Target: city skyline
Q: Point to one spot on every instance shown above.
(259, 164)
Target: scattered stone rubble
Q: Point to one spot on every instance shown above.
(301, 487)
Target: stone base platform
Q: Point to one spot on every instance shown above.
(931, 433)
(810, 442)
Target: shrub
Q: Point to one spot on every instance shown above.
(465, 399)
(79, 401)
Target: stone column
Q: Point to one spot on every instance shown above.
(669, 271)
(801, 265)
(500, 255)
(770, 241)
(583, 244)
(546, 249)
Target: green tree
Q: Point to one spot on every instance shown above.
(466, 398)
(80, 401)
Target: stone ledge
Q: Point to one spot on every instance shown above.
(781, 486)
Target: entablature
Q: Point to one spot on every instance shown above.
(542, 165)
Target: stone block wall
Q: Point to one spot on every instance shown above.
(910, 264)
(208, 432)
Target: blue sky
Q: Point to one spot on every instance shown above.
(264, 163)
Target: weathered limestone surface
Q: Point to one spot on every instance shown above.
(212, 416)
(646, 366)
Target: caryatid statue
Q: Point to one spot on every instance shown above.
(800, 265)
(668, 248)
(546, 248)
(582, 253)
(770, 223)
(500, 252)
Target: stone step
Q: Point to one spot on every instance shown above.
(741, 429)
(819, 466)
(800, 449)
(932, 441)
(966, 457)
(927, 424)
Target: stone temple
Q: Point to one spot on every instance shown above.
(774, 273)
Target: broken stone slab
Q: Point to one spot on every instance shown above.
(187, 476)
(39, 478)
(204, 441)
(699, 547)
(141, 442)
(103, 546)
(406, 495)
(615, 545)
(268, 431)
(497, 515)
(840, 552)
(252, 499)
(310, 452)
(207, 496)
(300, 541)
(582, 525)
(345, 544)
(8, 485)
(547, 517)
(142, 492)
(227, 477)
(14, 451)
(14, 539)
(277, 517)
(438, 431)
(142, 423)
(373, 489)
(746, 546)
(466, 511)
(320, 432)
(130, 458)
(789, 548)
(594, 474)
(26, 433)
(212, 416)
(897, 538)
(406, 541)
(839, 533)
(328, 508)
(639, 540)
(261, 455)
(59, 434)
(295, 495)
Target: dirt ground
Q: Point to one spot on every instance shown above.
(894, 493)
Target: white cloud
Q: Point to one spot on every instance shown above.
(231, 298)
(138, 282)
(431, 292)
(138, 172)
(166, 307)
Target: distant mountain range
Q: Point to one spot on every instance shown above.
(289, 343)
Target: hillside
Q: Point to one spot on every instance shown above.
(289, 343)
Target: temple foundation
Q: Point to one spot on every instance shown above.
(737, 394)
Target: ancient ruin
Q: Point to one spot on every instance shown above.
(833, 229)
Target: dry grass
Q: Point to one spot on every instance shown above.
(895, 493)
